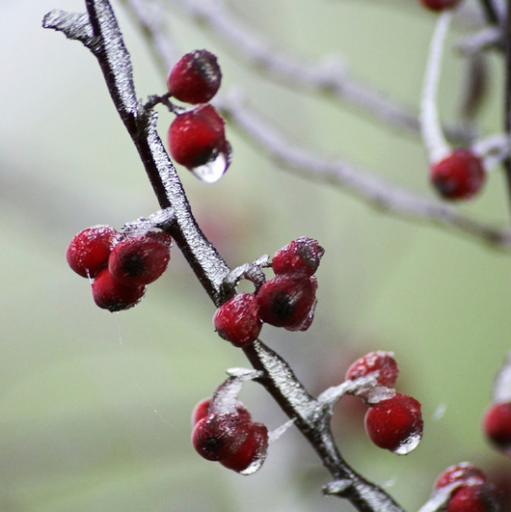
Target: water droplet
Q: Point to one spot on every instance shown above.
(214, 169)
(408, 445)
(254, 466)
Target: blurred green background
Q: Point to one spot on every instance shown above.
(95, 407)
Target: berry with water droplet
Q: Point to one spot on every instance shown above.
(440, 5)
(237, 320)
(300, 255)
(474, 498)
(395, 424)
(497, 425)
(108, 293)
(195, 78)
(140, 260)
(380, 361)
(89, 250)
(288, 300)
(463, 472)
(460, 175)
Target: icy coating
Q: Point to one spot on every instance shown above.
(224, 400)
(502, 386)
(213, 170)
(439, 498)
(408, 445)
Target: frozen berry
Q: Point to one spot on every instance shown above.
(195, 78)
(197, 137)
(218, 436)
(108, 293)
(300, 255)
(203, 409)
(474, 498)
(463, 472)
(288, 300)
(252, 452)
(458, 176)
(497, 425)
(383, 362)
(139, 260)
(440, 5)
(238, 321)
(89, 250)
(395, 424)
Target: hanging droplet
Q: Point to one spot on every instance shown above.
(408, 445)
(214, 169)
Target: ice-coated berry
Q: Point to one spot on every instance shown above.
(463, 472)
(195, 78)
(89, 250)
(197, 137)
(474, 498)
(300, 255)
(237, 320)
(458, 176)
(251, 452)
(383, 362)
(219, 436)
(140, 260)
(440, 5)
(288, 300)
(395, 424)
(203, 409)
(108, 293)
(497, 425)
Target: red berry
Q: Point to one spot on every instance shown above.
(251, 452)
(463, 472)
(288, 300)
(218, 436)
(197, 137)
(474, 498)
(108, 293)
(139, 260)
(238, 321)
(459, 176)
(395, 424)
(383, 362)
(195, 78)
(497, 425)
(301, 255)
(89, 250)
(440, 5)
(203, 409)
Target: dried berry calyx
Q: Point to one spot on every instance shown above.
(381, 362)
(195, 78)
(464, 472)
(301, 255)
(395, 424)
(497, 425)
(460, 175)
(238, 320)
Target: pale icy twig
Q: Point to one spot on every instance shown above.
(479, 41)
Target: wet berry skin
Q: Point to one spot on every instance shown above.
(440, 5)
(474, 498)
(301, 255)
(196, 137)
(238, 320)
(461, 175)
(497, 425)
(195, 78)
(463, 472)
(394, 422)
(383, 362)
(108, 293)
(288, 300)
(140, 260)
(89, 250)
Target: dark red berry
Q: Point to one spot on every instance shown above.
(203, 409)
(219, 436)
(89, 250)
(238, 320)
(195, 78)
(139, 260)
(300, 255)
(197, 137)
(108, 293)
(463, 472)
(251, 452)
(288, 300)
(395, 424)
(383, 362)
(440, 5)
(459, 176)
(474, 498)
(497, 425)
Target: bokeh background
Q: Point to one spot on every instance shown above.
(95, 407)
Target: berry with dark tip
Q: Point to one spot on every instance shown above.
(383, 362)
(497, 425)
(300, 255)
(195, 78)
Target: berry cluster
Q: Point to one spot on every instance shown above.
(120, 267)
(393, 420)
(287, 300)
(197, 137)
